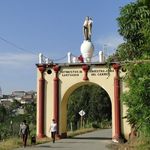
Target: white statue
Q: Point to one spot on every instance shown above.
(87, 47)
(87, 28)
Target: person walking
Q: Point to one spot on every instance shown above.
(24, 131)
(53, 129)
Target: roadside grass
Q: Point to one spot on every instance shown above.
(16, 142)
(135, 144)
(10, 144)
(143, 143)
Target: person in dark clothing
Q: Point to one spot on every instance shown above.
(24, 131)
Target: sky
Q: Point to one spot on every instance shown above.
(53, 28)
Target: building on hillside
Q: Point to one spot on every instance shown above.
(26, 101)
(33, 93)
(28, 98)
(6, 98)
(6, 103)
(18, 93)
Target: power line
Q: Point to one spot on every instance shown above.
(15, 45)
(58, 59)
(95, 55)
(24, 50)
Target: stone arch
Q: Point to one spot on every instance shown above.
(63, 105)
(54, 87)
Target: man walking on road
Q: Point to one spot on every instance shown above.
(24, 131)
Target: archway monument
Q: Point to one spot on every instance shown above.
(56, 81)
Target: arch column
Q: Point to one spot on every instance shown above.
(117, 135)
(85, 68)
(56, 97)
(41, 103)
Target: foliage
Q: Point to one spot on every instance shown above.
(30, 113)
(3, 113)
(10, 119)
(15, 142)
(137, 98)
(10, 144)
(134, 26)
(94, 101)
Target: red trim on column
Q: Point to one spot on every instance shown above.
(85, 68)
(117, 102)
(41, 103)
(56, 96)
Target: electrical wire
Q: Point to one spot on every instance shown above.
(15, 45)
(24, 50)
(59, 58)
(95, 55)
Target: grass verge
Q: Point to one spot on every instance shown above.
(10, 144)
(134, 144)
(15, 142)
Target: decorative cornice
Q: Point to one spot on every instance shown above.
(41, 67)
(56, 68)
(116, 66)
(85, 67)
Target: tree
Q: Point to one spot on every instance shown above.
(3, 113)
(10, 126)
(100, 105)
(134, 26)
(93, 100)
(30, 112)
(137, 98)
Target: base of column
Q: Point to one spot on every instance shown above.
(118, 140)
(58, 136)
(64, 135)
(40, 136)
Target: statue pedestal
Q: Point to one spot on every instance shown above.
(87, 49)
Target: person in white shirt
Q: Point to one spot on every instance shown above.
(24, 132)
(53, 129)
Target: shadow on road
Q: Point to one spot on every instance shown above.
(92, 138)
(47, 146)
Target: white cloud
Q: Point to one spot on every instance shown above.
(17, 59)
(18, 71)
(110, 42)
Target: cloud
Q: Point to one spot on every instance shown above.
(110, 42)
(17, 60)
(18, 71)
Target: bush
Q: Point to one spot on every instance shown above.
(95, 125)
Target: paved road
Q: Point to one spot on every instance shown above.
(97, 140)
